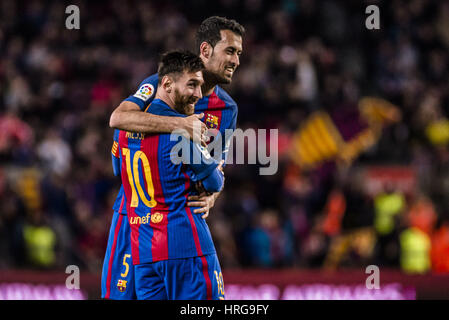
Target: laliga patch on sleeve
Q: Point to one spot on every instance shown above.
(145, 92)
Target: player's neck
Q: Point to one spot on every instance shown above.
(209, 84)
(207, 89)
(165, 98)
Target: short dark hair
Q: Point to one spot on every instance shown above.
(209, 30)
(178, 61)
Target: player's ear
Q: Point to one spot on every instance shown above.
(167, 83)
(205, 50)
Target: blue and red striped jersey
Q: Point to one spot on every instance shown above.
(156, 188)
(220, 114)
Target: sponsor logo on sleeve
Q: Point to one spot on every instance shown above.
(145, 92)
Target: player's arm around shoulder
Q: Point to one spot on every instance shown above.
(134, 114)
(129, 117)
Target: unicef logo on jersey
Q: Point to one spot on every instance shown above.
(145, 92)
(153, 218)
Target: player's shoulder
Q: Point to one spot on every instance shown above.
(151, 79)
(160, 108)
(225, 97)
(147, 90)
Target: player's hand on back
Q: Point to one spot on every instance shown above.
(205, 201)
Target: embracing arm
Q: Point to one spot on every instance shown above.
(206, 200)
(128, 116)
(214, 182)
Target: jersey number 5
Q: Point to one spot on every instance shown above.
(124, 274)
(133, 174)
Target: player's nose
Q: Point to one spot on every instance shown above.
(198, 93)
(235, 60)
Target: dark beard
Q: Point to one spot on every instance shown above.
(181, 103)
(215, 78)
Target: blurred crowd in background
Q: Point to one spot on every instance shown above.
(58, 88)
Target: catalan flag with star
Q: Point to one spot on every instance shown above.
(341, 135)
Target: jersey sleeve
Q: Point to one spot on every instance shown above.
(228, 137)
(201, 165)
(214, 181)
(145, 93)
(200, 161)
(205, 168)
(115, 154)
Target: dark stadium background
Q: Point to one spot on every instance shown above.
(303, 233)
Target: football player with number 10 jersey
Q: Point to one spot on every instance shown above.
(220, 46)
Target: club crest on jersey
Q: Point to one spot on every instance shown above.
(121, 285)
(211, 121)
(145, 92)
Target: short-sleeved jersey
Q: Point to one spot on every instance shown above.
(220, 114)
(157, 182)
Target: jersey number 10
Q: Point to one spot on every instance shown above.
(134, 172)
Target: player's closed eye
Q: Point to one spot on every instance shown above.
(232, 50)
(194, 84)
